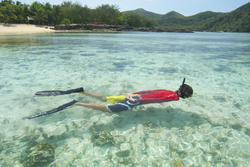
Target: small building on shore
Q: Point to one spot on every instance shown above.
(31, 20)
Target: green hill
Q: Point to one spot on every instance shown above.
(145, 13)
(173, 14)
(235, 21)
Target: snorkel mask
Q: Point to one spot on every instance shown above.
(182, 91)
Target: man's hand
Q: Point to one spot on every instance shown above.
(129, 96)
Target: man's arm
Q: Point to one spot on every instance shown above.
(143, 92)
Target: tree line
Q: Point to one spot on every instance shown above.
(68, 13)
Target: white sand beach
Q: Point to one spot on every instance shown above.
(14, 29)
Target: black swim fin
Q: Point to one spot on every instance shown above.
(58, 92)
(52, 111)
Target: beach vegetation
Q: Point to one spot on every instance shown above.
(68, 13)
(107, 14)
(38, 12)
(66, 21)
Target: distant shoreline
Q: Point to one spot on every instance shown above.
(21, 29)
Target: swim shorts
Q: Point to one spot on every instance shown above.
(122, 106)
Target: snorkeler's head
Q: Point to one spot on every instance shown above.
(185, 90)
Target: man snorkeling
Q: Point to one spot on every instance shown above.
(119, 103)
(131, 100)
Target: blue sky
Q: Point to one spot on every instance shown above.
(185, 7)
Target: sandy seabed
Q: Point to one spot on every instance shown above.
(15, 29)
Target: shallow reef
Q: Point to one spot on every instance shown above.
(41, 154)
(178, 163)
(102, 137)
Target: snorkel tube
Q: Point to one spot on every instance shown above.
(181, 87)
(184, 79)
(180, 90)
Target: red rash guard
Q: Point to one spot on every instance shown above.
(156, 96)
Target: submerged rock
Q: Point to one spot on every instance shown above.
(39, 155)
(122, 158)
(178, 164)
(102, 137)
(124, 153)
(236, 125)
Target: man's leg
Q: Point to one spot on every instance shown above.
(94, 106)
(100, 97)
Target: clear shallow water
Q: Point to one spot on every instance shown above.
(210, 129)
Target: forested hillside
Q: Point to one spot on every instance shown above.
(235, 21)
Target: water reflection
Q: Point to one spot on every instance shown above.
(18, 40)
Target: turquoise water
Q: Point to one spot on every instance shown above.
(210, 129)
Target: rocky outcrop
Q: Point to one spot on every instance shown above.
(85, 27)
(110, 28)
